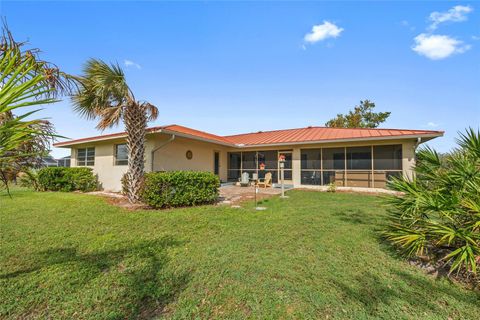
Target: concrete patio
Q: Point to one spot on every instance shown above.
(232, 194)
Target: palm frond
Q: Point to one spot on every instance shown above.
(440, 208)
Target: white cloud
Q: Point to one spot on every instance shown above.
(130, 63)
(438, 47)
(432, 124)
(323, 31)
(455, 14)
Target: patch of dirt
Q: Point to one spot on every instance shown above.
(440, 270)
(125, 204)
(119, 200)
(238, 199)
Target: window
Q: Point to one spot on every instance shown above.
(269, 159)
(121, 154)
(249, 160)
(387, 162)
(334, 158)
(234, 166)
(359, 158)
(85, 157)
(310, 159)
(311, 165)
(387, 157)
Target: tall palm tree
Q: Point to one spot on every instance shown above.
(105, 95)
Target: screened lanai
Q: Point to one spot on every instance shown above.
(367, 167)
(259, 162)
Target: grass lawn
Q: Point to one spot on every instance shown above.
(314, 255)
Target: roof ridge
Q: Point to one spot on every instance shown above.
(205, 132)
(276, 130)
(324, 127)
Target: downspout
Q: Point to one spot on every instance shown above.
(415, 146)
(159, 147)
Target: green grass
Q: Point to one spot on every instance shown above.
(314, 255)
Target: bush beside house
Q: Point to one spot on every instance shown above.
(180, 188)
(67, 179)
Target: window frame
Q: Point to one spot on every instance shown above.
(116, 160)
(85, 162)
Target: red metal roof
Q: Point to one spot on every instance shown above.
(287, 136)
(197, 133)
(170, 128)
(312, 134)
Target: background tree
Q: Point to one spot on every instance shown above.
(362, 116)
(105, 95)
(26, 81)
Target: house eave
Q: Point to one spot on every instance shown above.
(67, 144)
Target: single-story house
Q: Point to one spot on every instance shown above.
(314, 156)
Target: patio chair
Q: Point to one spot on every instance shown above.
(265, 182)
(245, 179)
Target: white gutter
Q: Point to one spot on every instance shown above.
(159, 147)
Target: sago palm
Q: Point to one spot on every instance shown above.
(105, 95)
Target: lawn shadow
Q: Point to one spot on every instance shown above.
(141, 268)
(422, 295)
(356, 216)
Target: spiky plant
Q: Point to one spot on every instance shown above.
(25, 81)
(105, 95)
(438, 214)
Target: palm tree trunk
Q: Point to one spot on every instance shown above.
(135, 125)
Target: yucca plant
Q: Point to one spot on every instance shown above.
(438, 215)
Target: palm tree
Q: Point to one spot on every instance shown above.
(26, 81)
(105, 95)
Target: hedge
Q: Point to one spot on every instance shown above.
(180, 188)
(67, 179)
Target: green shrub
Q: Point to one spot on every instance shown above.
(180, 188)
(438, 215)
(67, 179)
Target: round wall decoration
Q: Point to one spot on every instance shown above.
(189, 155)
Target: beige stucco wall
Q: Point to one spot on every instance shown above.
(171, 156)
(108, 173)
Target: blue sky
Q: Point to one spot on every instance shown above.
(233, 67)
